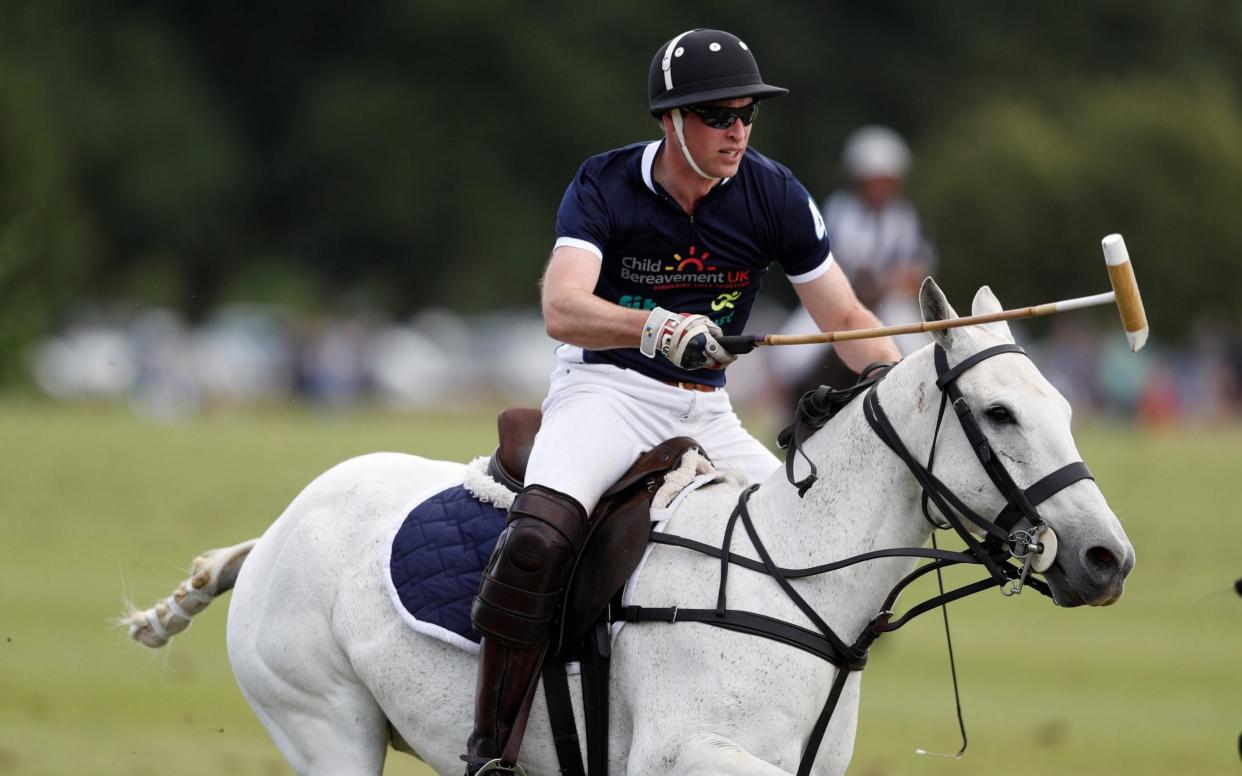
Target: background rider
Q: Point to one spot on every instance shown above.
(880, 242)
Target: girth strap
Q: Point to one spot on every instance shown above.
(561, 717)
(594, 658)
(596, 661)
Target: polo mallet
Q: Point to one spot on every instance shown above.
(1125, 295)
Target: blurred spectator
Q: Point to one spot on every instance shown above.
(1213, 390)
(91, 361)
(331, 363)
(167, 387)
(244, 354)
(1070, 360)
(1157, 402)
(879, 241)
(248, 355)
(409, 370)
(1197, 383)
(1123, 375)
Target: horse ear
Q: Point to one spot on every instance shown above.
(936, 307)
(986, 302)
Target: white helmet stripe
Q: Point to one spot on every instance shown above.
(667, 64)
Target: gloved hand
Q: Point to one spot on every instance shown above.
(689, 341)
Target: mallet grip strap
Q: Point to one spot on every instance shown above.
(737, 344)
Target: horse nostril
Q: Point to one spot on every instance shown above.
(1101, 560)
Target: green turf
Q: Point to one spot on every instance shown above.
(95, 504)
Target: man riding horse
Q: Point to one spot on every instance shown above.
(661, 247)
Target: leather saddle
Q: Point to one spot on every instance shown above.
(621, 521)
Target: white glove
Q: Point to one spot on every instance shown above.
(689, 341)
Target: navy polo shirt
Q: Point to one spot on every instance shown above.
(653, 253)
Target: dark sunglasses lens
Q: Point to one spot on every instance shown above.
(723, 118)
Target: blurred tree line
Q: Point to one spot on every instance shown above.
(400, 154)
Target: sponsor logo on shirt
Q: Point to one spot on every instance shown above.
(724, 305)
(637, 302)
(725, 301)
(690, 272)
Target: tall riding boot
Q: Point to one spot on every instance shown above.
(506, 676)
(519, 595)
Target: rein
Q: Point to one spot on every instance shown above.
(1002, 544)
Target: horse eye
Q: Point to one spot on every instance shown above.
(1000, 415)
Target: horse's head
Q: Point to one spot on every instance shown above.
(1027, 423)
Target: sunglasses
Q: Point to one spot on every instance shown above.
(720, 117)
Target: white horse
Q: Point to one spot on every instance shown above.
(335, 675)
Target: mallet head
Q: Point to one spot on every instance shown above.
(1125, 288)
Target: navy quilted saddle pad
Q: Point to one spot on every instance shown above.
(438, 555)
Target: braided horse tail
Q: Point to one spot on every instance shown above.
(213, 573)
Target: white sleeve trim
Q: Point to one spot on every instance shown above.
(649, 155)
(574, 242)
(807, 277)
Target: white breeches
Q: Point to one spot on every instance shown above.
(598, 418)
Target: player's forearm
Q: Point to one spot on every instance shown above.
(580, 318)
(834, 307)
(858, 354)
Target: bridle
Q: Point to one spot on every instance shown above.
(1003, 537)
(1014, 535)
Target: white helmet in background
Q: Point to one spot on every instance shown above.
(874, 152)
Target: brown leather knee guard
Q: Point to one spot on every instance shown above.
(525, 579)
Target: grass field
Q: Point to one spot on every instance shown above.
(95, 504)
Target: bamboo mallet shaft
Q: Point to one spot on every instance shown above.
(1125, 295)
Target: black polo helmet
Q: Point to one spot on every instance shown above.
(702, 65)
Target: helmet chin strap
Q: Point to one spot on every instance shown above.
(681, 139)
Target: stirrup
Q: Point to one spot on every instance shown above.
(496, 766)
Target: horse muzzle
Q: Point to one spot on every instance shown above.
(1094, 575)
